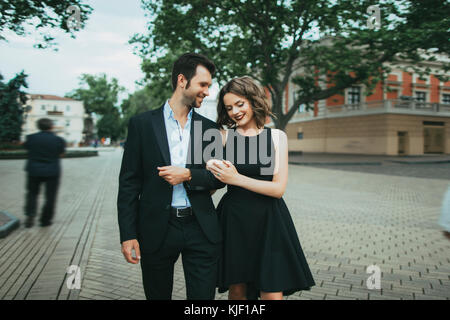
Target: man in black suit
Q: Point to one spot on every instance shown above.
(164, 202)
(43, 166)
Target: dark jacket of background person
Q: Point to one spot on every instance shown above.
(44, 149)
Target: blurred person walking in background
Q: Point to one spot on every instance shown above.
(43, 166)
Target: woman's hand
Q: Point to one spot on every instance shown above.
(224, 171)
(211, 162)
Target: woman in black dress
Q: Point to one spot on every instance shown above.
(261, 250)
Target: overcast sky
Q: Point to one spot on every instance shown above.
(100, 47)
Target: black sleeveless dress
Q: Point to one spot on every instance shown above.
(261, 247)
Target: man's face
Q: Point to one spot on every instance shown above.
(198, 88)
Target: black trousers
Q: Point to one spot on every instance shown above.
(51, 189)
(200, 262)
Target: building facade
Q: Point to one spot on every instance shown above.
(405, 115)
(67, 114)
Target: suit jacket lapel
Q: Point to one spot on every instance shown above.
(159, 127)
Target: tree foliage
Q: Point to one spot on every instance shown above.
(110, 125)
(100, 96)
(322, 46)
(12, 98)
(147, 98)
(42, 15)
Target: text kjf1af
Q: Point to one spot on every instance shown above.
(234, 310)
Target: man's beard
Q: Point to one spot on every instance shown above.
(188, 100)
(193, 103)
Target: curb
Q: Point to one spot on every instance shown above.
(24, 155)
(406, 162)
(419, 162)
(9, 226)
(336, 163)
(367, 163)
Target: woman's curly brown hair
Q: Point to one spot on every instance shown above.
(248, 88)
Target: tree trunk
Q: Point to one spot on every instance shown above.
(281, 120)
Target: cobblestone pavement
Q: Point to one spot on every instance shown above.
(346, 221)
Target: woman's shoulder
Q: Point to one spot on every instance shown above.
(278, 134)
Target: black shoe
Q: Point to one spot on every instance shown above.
(46, 223)
(29, 222)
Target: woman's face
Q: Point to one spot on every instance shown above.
(238, 108)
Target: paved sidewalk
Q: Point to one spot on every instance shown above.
(424, 166)
(342, 158)
(346, 221)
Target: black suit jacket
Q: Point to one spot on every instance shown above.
(44, 149)
(145, 198)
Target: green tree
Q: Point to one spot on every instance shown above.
(110, 125)
(100, 96)
(12, 99)
(148, 98)
(42, 15)
(322, 46)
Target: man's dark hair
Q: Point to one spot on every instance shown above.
(187, 66)
(44, 124)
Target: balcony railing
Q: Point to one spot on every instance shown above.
(423, 106)
(390, 106)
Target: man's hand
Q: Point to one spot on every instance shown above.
(174, 175)
(127, 247)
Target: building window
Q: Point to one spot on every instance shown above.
(446, 98)
(299, 135)
(421, 96)
(55, 108)
(67, 123)
(354, 95)
(67, 108)
(43, 107)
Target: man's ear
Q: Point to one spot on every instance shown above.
(181, 80)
